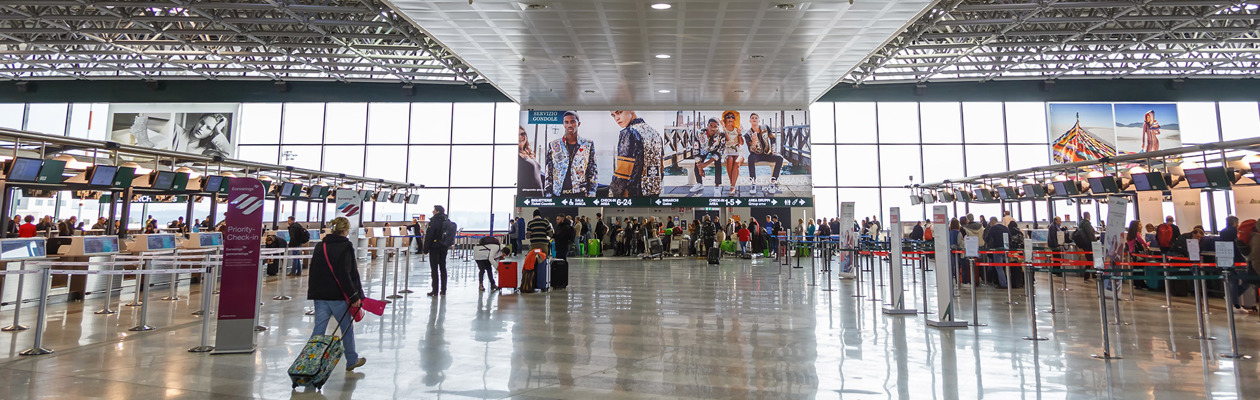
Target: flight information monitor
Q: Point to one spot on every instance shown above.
(161, 242)
(103, 175)
(283, 235)
(213, 183)
(164, 180)
(24, 169)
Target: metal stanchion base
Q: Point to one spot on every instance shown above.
(142, 328)
(828, 290)
(950, 324)
(1166, 307)
(134, 304)
(1118, 323)
(201, 349)
(35, 352)
(1235, 356)
(900, 311)
(874, 299)
(260, 328)
(14, 328)
(406, 291)
(282, 298)
(1106, 357)
(1202, 338)
(387, 301)
(105, 311)
(198, 312)
(168, 298)
(394, 296)
(1037, 338)
(1011, 303)
(1052, 311)
(975, 324)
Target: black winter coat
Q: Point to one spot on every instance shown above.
(322, 285)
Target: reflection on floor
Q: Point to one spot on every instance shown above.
(659, 329)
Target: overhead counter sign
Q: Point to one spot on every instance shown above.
(546, 117)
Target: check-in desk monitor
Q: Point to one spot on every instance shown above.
(283, 235)
(90, 246)
(201, 240)
(316, 235)
(1039, 236)
(22, 249)
(151, 242)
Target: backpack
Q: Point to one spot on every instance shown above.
(927, 234)
(1244, 231)
(1078, 238)
(305, 236)
(450, 231)
(1164, 235)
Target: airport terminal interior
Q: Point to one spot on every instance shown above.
(620, 199)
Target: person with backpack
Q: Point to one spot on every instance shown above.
(1231, 233)
(437, 240)
(564, 236)
(298, 236)
(1166, 233)
(997, 236)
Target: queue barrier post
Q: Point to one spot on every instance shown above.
(207, 297)
(1200, 307)
(284, 280)
(1106, 339)
(1053, 309)
(109, 291)
(398, 254)
(142, 296)
(1233, 332)
(38, 347)
(1167, 287)
(1031, 292)
(975, 287)
(1116, 285)
(17, 304)
(406, 274)
(857, 273)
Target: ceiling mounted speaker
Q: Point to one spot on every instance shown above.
(1047, 86)
(282, 86)
(1176, 84)
(409, 90)
(920, 89)
(154, 85)
(24, 87)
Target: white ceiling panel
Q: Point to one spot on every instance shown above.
(599, 53)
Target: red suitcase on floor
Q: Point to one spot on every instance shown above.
(507, 274)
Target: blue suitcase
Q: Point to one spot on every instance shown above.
(542, 276)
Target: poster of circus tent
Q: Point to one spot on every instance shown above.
(1143, 127)
(1081, 131)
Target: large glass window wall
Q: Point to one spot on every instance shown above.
(464, 153)
(934, 141)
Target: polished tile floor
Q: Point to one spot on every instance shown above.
(657, 329)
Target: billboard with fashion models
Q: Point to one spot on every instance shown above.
(1090, 131)
(205, 129)
(663, 154)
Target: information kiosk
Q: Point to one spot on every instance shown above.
(12, 253)
(203, 240)
(86, 249)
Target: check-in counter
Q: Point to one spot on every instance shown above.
(12, 253)
(86, 249)
(149, 243)
(203, 240)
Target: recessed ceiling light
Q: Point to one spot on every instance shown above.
(566, 57)
(739, 90)
(756, 56)
(535, 6)
(785, 6)
(663, 91)
(663, 56)
(589, 91)
(662, 6)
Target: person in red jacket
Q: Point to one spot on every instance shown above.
(27, 229)
(744, 235)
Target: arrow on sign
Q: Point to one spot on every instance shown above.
(774, 202)
(658, 202)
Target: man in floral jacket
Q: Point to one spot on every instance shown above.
(571, 169)
(637, 171)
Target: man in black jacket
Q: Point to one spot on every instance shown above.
(435, 245)
(564, 236)
(298, 236)
(917, 232)
(997, 237)
(416, 234)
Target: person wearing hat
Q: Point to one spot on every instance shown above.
(709, 148)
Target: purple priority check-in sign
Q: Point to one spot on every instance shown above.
(238, 294)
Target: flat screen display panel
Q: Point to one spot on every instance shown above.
(164, 180)
(314, 234)
(100, 244)
(399, 197)
(210, 239)
(947, 195)
(283, 235)
(929, 197)
(180, 182)
(1065, 188)
(24, 169)
(286, 189)
(1039, 235)
(160, 242)
(1034, 191)
(16, 249)
(124, 176)
(1103, 185)
(1007, 193)
(103, 175)
(213, 183)
(984, 194)
(915, 200)
(413, 199)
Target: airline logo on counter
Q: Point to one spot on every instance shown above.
(668, 202)
(247, 204)
(348, 209)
